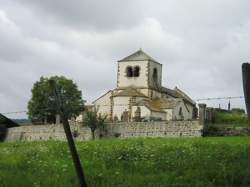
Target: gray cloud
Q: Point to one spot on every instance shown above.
(201, 44)
(88, 14)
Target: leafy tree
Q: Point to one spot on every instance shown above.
(238, 110)
(94, 120)
(42, 106)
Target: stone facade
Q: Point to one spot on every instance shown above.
(121, 130)
(46, 132)
(155, 129)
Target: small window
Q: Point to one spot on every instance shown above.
(136, 71)
(181, 114)
(155, 75)
(129, 71)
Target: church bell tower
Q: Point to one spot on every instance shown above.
(139, 70)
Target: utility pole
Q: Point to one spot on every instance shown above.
(246, 86)
(75, 157)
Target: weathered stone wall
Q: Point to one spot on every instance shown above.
(46, 132)
(155, 129)
(121, 130)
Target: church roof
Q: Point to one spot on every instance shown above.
(183, 95)
(152, 108)
(177, 93)
(169, 103)
(129, 92)
(149, 104)
(8, 122)
(138, 56)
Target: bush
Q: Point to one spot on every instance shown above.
(230, 117)
(117, 135)
(238, 110)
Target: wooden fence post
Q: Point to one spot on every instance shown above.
(71, 143)
(246, 86)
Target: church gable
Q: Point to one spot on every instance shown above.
(138, 56)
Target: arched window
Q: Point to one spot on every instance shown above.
(136, 71)
(155, 75)
(129, 71)
(180, 111)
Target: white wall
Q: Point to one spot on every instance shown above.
(124, 81)
(145, 112)
(169, 114)
(191, 111)
(104, 104)
(120, 105)
(186, 114)
(152, 66)
(161, 115)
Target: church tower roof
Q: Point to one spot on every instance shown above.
(138, 56)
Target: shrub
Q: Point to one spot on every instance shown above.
(230, 117)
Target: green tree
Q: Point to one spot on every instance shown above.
(94, 120)
(238, 110)
(42, 107)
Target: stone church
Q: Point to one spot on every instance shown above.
(140, 96)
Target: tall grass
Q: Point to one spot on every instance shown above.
(134, 162)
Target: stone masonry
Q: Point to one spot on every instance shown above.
(121, 130)
(46, 132)
(155, 129)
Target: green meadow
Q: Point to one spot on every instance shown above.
(210, 161)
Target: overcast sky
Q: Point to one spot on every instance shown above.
(201, 45)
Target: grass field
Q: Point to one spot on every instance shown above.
(223, 161)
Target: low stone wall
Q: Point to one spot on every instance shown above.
(155, 129)
(121, 130)
(224, 130)
(46, 132)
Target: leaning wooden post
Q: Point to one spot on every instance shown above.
(246, 86)
(69, 136)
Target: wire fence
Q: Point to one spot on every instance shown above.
(229, 98)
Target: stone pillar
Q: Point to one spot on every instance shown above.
(209, 112)
(58, 119)
(202, 113)
(246, 86)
